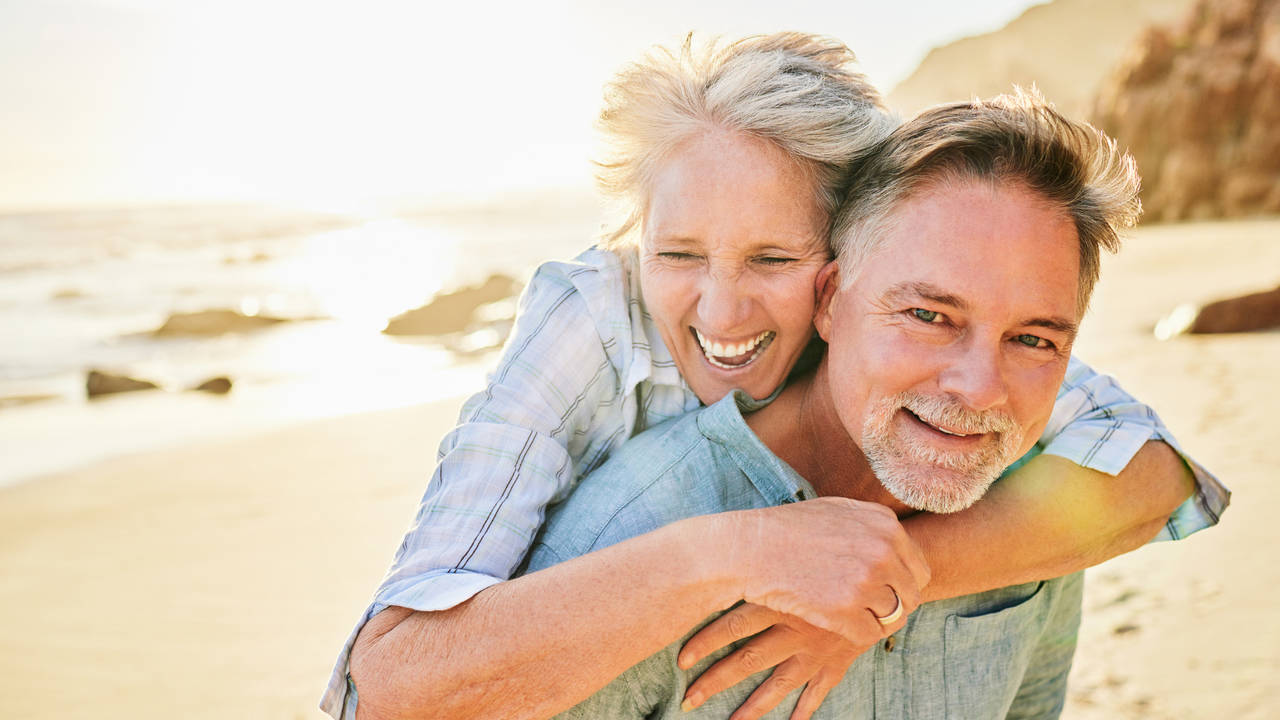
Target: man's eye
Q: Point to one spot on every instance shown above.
(679, 256)
(928, 316)
(1033, 341)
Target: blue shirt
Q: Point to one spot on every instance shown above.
(1001, 653)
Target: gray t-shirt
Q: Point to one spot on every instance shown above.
(1003, 653)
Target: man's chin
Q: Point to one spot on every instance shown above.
(935, 490)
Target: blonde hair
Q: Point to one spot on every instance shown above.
(1016, 137)
(799, 91)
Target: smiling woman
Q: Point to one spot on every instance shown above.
(732, 242)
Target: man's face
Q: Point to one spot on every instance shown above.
(948, 344)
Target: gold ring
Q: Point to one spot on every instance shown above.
(895, 614)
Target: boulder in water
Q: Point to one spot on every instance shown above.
(213, 322)
(104, 383)
(452, 312)
(218, 386)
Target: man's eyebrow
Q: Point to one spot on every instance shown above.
(1062, 325)
(904, 291)
(928, 291)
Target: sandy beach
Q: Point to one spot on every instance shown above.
(218, 579)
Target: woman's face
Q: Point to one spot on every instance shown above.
(732, 240)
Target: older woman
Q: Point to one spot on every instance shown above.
(732, 160)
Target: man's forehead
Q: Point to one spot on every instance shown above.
(974, 245)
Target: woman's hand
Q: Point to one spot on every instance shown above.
(836, 563)
(804, 655)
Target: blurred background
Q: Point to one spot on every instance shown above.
(279, 217)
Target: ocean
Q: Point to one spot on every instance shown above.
(86, 289)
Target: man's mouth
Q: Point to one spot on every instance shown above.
(734, 355)
(952, 431)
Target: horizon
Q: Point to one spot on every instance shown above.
(127, 103)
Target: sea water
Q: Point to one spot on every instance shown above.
(83, 289)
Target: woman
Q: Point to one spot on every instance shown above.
(732, 160)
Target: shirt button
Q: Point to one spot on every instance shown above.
(889, 643)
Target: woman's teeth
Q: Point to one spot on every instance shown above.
(717, 352)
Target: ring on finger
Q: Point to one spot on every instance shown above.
(895, 614)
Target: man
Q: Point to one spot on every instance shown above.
(966, 255)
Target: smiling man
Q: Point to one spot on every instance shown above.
(966, 253)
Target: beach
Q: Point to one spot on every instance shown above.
(218, 577)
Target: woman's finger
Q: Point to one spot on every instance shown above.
(762, 652)
(741, 622)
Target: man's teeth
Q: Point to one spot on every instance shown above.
(944, 430)
(714, 350)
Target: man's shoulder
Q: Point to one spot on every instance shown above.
(670, 472)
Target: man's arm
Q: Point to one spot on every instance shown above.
(545, 641)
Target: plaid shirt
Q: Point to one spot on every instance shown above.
(583, 371)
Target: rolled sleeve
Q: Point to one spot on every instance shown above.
(1098, 425)
(554, 407)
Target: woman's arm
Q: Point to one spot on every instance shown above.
(556, 403)
(542, 642)
(1049, 518)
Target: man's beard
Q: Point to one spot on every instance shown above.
(924, 477)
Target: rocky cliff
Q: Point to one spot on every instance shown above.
(1198, 105)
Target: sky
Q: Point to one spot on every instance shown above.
(328, 104)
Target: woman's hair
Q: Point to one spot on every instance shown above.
(801, 92)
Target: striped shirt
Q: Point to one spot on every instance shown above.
(583, 371)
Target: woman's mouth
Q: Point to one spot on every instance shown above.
(733, 355)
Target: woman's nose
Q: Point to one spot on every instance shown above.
(724, 302)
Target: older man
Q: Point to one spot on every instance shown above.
(966, 255)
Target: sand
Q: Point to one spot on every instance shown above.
(218, 579)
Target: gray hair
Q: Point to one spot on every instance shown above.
(1017, 138)
(802, 92)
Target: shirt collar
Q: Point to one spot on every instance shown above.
(723, 424)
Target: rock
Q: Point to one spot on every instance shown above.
(218, 386)
(1065, 47)
(1256, 311)
(213, 322)
(452, 312)
(1198, 106)
(102, 383)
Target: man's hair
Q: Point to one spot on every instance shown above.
(801, 92)
(1015, 138)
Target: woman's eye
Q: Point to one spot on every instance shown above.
(928, 316)
(679, 256)
(774, 260)
(1033, 341)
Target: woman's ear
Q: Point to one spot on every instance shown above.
(825, 286)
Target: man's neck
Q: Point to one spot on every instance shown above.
(802, 428)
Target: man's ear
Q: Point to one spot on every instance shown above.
(825, 286)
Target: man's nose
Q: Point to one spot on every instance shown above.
(976, 376)
(724, 302)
